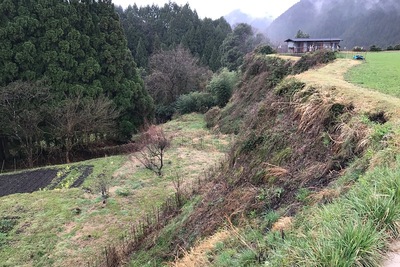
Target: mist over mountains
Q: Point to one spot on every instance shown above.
(237, 16)
(357, 22)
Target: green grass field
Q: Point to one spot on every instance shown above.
(68, 226)
(380, 71)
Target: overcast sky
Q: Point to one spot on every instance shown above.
(216, 8)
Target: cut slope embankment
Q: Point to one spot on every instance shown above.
(296, 138)
(330, 80)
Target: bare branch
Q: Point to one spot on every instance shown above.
(153, 144)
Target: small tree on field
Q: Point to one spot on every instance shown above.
(301, 34)
(102, 184)
(153, 144)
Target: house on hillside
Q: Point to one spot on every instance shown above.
(303, 45)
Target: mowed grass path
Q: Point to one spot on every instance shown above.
(69, 227)
(380, 71)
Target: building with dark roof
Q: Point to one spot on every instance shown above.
(303, 45)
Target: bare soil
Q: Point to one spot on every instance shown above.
(26, 182)
(31, 181)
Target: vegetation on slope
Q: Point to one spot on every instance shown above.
(66, 80)
(279, 201)
(71, 226)
(267, 167)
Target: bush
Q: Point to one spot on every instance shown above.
(194, 102)
(310, 60)
(212, 116)
(396, 47)
(390, 48)
(374, 48)
(164, 113)
(265, 50)
(358, 49)
(289, 87)
(221, 86)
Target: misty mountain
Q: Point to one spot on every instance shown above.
(358, 23)
(237, 16)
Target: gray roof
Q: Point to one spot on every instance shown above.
(314, 40)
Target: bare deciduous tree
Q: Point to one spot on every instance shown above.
(79, 117)
(22, 109)
(174, 73)
(153, 144)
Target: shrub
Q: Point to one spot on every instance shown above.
(374, 48)
(221, 86)
(265, 50)
(310, 60)
(212, 116)
(396, 47)
(164, 113)
(194, 102)
(289, 87)
(390, 48)
(358, 49)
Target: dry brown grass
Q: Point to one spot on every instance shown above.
(326, 195)
(287, 57)
(330, 81)
(283, 224)
(197, 256)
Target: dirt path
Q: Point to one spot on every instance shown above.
(393, 257)
(330, 80)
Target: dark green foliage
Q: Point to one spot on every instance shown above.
(301, 34)
(164, 113)
(310, 60)
(221, 86)
(237, 44)
(194, 102)
(141, 55)
(374, 48)
(251, 142)
(265, 50)
(78, 48)
(289, 87)
(165, 27)
(7, 223)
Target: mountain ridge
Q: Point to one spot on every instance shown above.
(358, 23)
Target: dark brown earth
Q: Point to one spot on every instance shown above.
(31, 181)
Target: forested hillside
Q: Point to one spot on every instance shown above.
(358, 23)
(178, 53)
(152, 28)
(77, 74)
(66, 77)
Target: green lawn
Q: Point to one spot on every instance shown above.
(380, 71)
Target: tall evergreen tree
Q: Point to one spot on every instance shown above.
(141, 54)
(78, 48)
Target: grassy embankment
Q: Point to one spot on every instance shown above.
(352, 220)
(67, 227)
